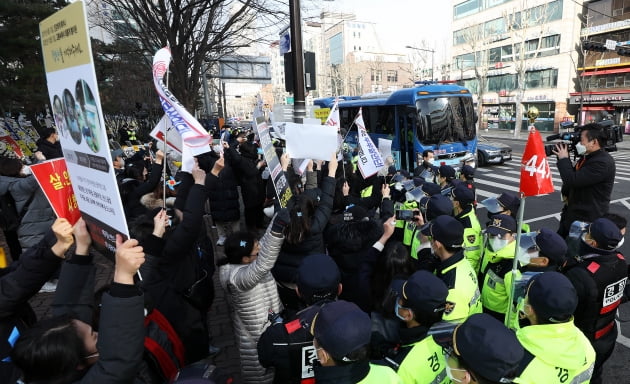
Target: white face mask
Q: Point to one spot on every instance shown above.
(580, 148)
(26, 170)
(620, 243)
(497, 244)
(525, 258)
(430, 161)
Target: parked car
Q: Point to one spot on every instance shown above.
(492, 152)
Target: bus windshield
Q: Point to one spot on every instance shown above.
(445, 120)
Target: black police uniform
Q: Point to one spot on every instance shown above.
(288, 346)
(599, 280)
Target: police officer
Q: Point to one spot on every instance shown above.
(446, 174)
(599, 276)
(420, 303)
(464, 210)
(288, 345)
(446, 234)
(341, 338)
(507, 204)
(544, 251)
(467, 175)
(483, 351)
(496, 265)
(434, 206)
(556, 351)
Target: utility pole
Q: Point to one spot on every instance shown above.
(299, 103)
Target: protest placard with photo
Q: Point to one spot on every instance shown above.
(72, 86)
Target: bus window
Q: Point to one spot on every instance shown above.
(445, 120)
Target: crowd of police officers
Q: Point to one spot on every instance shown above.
(452, 318)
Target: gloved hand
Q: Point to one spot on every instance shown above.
(281, 220)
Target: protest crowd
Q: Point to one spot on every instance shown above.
(387, 278)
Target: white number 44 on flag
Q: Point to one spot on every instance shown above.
(542, 169)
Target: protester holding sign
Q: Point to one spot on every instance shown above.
(304, 234)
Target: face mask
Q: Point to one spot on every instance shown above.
(581, 149)
(430, 161)
(620, 243)
(449, 373)
(497, 244)
(396, 308)
(526, 257)
(26, 170)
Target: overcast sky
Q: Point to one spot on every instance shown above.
(400, 22)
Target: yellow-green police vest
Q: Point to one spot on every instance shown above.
(494, 295)
(409, 226)
(424, 364)
(366, 192)
(562, 354)
(465, 294)
(380, 374)
(132, 134)
(473, 240)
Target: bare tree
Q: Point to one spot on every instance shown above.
(475, 39)
(194, 30)
(527, 26)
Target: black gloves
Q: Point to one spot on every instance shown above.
(280, 221)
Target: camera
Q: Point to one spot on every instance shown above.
(612, 134)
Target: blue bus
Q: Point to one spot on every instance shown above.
(434, 116)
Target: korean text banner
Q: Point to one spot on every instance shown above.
(53, 178)
(192, 132)
(76, 105)
(278, 177)
(370, 160)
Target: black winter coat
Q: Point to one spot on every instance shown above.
(223, 194)
(133, 206)
(121, 323)
(19, 282)
(176, 264)
(250, 180)
(49, 150)
(291, 255)
(588, 187)
(347, 243)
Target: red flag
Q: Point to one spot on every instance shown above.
(535, 172)
(54, 180)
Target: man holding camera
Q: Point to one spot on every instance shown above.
(587, 185)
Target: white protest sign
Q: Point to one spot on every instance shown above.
(173, 139)
(307, 141)
(72, 83)
(385, 147)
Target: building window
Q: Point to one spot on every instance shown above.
(392, 76)
(376, 75)
(547, 78)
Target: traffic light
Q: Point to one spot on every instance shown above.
(623, 50)
(593, 46)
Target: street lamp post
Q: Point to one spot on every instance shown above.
(299, 103)
(426, 50)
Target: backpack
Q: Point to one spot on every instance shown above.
(163, 347)
(9, 217)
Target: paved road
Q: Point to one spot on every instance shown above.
(544, 211)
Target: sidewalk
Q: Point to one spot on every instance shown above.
(505, 136)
